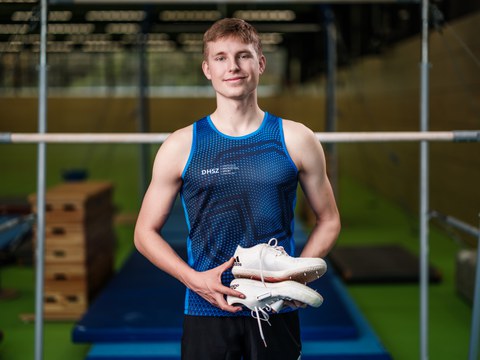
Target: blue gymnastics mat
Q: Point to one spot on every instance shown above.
(138, 316)
(16, 227)
(317, 342)
(142, 303)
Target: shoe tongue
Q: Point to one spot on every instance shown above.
(276, 249)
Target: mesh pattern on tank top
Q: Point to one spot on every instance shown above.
(236, 191)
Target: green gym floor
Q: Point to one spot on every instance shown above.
(391, 309)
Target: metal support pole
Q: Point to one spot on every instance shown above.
(143, 122)
(456, 223)
(331, 104)
(475, 328)
(143, 115)
(424, 186)
(41, 176)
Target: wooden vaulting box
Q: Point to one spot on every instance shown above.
(79, 246)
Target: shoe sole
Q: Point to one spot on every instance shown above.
(287, 290)
(303, 276)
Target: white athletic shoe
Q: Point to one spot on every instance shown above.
(262, 298)
(266, 295)
(270, 263)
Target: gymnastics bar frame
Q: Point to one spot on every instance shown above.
(424, 151)
(326, 137)
(323, 137)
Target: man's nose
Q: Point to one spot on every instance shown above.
(233, 65)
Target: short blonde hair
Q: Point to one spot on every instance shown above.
(232, 27)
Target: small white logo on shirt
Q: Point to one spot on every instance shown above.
(210, 171)
(228, 169)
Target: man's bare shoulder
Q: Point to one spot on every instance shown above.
(181, 135)
(179, 140)
(174, 152)
(296, 132)
(301, 143)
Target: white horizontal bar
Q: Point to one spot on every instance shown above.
(157, 138)
(409, 136)
(88, 138)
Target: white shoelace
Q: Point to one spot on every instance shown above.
(258, 313)
(261, 314)
(273, 244)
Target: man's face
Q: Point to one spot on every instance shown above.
(233, 67)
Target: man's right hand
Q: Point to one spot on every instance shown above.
(208, 284)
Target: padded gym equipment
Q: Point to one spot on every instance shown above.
(337, 330)
(138, 316)
(142, 303)
(387, 263)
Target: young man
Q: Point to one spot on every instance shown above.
(237, 172)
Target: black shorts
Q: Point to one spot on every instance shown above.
(238, 337)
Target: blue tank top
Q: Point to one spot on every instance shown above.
(236, 191)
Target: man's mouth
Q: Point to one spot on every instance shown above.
(233, 79)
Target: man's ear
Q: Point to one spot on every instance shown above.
(262, 62)
(206, 70)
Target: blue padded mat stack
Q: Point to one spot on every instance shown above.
(138, 316)
(12, 235)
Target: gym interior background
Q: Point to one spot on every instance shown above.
(111, 64)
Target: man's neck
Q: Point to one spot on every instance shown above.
(237, 118)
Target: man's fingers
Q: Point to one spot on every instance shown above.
(225, 290)
(222, 304)
(234, 293)
(226, 265)
(214, 291)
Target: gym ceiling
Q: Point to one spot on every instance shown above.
(298, 27)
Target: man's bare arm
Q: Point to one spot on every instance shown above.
(308, 155)
(157, 204)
